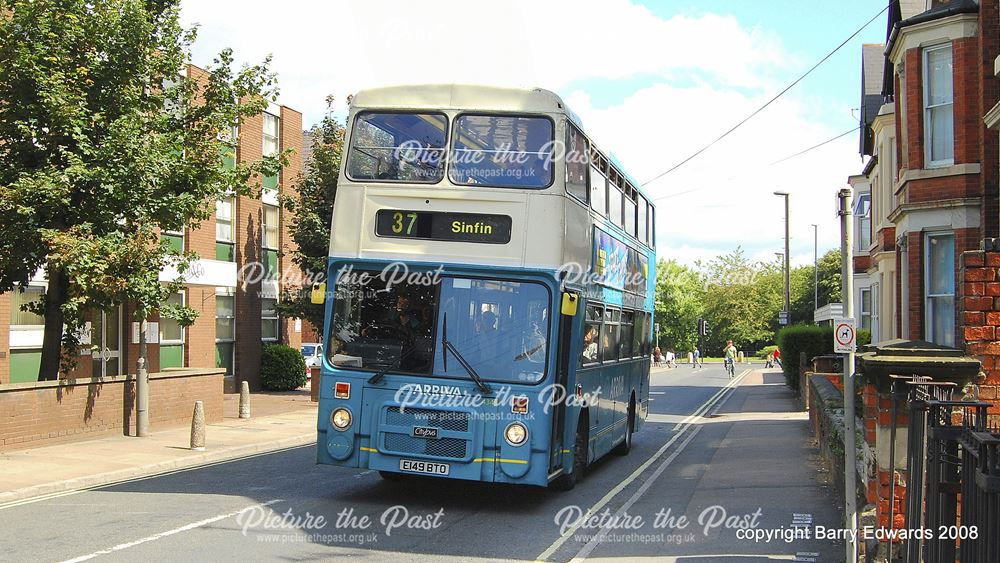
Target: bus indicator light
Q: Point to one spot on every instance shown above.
(342, 390)
(519, 405)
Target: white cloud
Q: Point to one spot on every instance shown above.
(704, 73)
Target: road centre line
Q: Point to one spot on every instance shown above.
(639, 470)
(162, 535)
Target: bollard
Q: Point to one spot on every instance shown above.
(198, 427)
(244, 400)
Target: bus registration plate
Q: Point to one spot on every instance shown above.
(429, 467)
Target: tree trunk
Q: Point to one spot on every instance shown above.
(52, 341)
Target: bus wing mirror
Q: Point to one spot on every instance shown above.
(569, 303)
(318, 293)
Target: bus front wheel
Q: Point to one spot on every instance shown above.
(566, 481)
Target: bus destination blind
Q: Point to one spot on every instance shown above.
(435, 225)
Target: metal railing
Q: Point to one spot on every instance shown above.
(953, 460)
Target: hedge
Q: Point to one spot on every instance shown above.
(811, 339)
(282, 368)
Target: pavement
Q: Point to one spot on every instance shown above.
(711, 446)
(278, 421)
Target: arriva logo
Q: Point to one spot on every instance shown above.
(440, 389)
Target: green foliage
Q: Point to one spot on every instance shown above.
(811, 339)
(742, 299)
(104, 142)
(282, 368)
(829, 277)
(764, 352)
(312, 209)
(679, 303)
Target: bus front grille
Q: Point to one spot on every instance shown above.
(455, 421)
(454, 448)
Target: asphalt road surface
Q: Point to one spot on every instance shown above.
(282, 506)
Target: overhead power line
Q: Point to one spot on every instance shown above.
(816, 146)
(769, 102)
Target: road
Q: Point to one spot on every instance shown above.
(726, 465)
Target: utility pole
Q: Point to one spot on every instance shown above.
(788, 307)
(142, 384)
(850, 440)
(815, 266)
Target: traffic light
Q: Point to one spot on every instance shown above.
(704, 328)
(701, 326)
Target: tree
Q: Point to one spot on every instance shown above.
(312, 211)
(679, 303)
(104, 142)
(829, 277)
(742, 300)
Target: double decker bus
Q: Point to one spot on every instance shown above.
(490, 291)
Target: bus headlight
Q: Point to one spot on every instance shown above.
(515, 434)
(341, 419)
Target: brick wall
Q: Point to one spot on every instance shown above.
(248, 251)
(199, 346)
(980, 318)
(291, 139)
(34, 413)
(989, 150)
(914, 110)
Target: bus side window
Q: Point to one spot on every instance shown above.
(576, 164)
(609, 336)
(627, 350)
(639, 335)
(590, 349)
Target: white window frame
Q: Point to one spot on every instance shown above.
(862, 313)
(265, 135)
(276, 319)
(863, 216)
(227, 292)
(15, 304)
(183, 339)
(220, 219)
(265, 227)
(928, 309)
(928, 133)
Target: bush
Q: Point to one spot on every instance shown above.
(282, 368)
(814, 341)
(764, 352)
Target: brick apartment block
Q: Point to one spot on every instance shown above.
(226, 244)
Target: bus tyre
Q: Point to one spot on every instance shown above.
(565, 481)
(626, 445)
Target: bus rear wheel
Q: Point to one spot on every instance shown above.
(626, 446)
(566, 481)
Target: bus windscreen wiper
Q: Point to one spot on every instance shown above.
(382, 372)
(447, 346)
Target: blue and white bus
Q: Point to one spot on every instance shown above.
(490, 291)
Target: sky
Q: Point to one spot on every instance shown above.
(653, 82)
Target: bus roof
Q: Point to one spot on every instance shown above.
(477, 97)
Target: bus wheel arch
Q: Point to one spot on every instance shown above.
(581, 447)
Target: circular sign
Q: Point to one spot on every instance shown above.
(844, 334)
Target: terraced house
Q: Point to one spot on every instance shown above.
(928, 192)
(244, 254)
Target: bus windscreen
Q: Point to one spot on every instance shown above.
(498, 326)
(502, 151)
(397, 147)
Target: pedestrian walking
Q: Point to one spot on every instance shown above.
(697, 358)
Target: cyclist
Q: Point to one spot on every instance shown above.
(730, 353)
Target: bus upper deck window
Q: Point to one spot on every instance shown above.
(397, 147)
(504, 151)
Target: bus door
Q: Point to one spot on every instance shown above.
(564, 361)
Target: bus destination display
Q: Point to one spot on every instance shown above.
(461, 227)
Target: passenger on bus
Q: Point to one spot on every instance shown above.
(590, 344)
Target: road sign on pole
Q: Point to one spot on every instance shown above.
(844, 337)
(782, 318)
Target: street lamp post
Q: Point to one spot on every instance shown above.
(788, 307)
